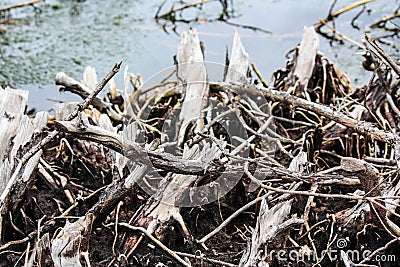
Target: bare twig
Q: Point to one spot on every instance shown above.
(157, 242)
(201, 257)
(382, 22)
(14, 242)
(28, 3)
(341, 35)
(361, 127)
(307, 193)
(335, 14)
(379, 250)
(230, 218)
(384, 57)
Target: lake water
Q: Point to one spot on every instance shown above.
(68, 35)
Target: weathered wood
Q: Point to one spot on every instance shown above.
(371, 184)
(16, 131)
(12, 106)
(136, 153)
(204, 154)
(84, 89)
(171, 163)
(238, 63)
(72, 242)
(62, 110)
(166, 202)
(192, 75)
(361, 127)
(66, 247)
(271, 222)
(307, 52)
(29, 156)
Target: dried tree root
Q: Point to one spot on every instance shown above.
(305, 123)
(52, 135)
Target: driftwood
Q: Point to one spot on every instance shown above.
(270, 223)
(314, 164)
(270, 220)
(18, 131)
(84, 91)
(16, 171)
(18, 176)
(165, 204)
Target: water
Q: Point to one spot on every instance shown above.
(70, 35)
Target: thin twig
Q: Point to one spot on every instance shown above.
(384, 57)
(201, 257)
(361, 127)
(382, 22)
(385, 247)
(335, 14)
(14, 242)
(157, 242)
(116, 225)
(306, 193)
(230, 218)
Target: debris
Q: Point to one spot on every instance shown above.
(201, 173)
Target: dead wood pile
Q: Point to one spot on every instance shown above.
(197, 172)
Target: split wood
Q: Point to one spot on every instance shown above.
(83, 105)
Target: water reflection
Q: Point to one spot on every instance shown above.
(205, 11)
